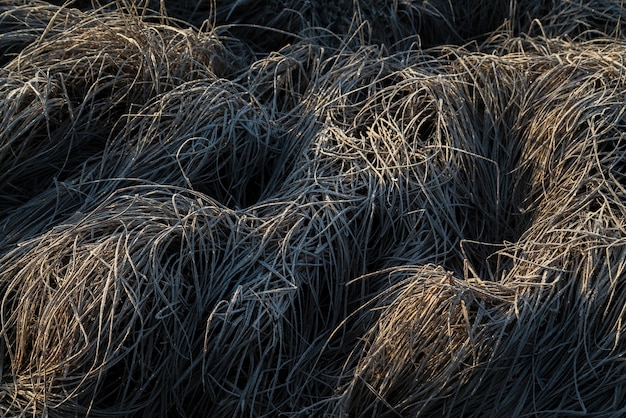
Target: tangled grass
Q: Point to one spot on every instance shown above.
(312, 209)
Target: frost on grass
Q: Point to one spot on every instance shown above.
(260, 209)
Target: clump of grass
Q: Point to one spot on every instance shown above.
(505, 346)
(71, 89)
(113, 286)
(23, 23)
(208, 136)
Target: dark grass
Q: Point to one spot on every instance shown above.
(312, 209)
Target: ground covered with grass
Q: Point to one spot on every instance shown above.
(289, 208)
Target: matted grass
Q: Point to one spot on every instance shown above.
(280, 212)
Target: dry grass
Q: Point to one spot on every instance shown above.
(278, 212)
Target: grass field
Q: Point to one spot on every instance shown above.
(312, 208)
